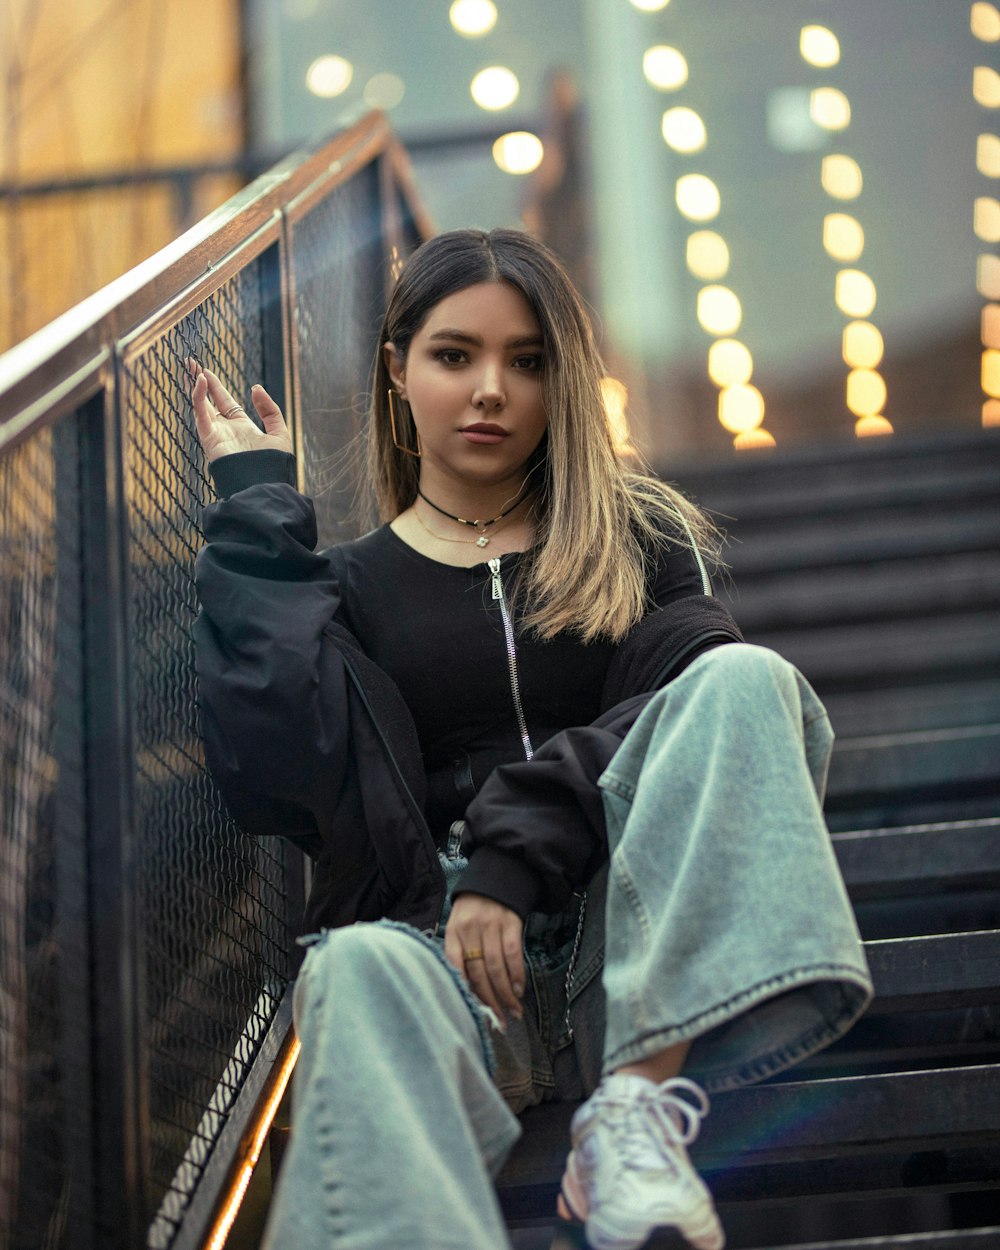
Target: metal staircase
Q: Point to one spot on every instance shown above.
(874, 570)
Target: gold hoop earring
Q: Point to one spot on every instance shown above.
(395, 436)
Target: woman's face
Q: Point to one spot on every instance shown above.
(473, 379)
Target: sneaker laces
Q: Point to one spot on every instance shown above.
(677, 1118)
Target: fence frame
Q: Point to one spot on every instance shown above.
(74, 368)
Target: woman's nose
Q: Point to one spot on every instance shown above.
(489, 392)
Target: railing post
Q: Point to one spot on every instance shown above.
(72, 895)
(120, 1086)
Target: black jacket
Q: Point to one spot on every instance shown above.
(308, 739)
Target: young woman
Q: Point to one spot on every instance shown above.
(554, 802)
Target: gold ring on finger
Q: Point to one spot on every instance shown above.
(474, 953)
(231, 411)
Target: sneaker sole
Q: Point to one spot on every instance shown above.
(573, 1206)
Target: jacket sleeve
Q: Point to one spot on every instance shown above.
(535, 832)
(272, 691)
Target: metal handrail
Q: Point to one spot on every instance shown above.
(41, 377)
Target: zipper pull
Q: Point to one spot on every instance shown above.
(494, 566)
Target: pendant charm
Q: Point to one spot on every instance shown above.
(482, 540)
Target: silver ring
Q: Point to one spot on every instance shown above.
(235, 408)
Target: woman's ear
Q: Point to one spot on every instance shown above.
(394, 364)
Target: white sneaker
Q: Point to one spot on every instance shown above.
(629, 1173)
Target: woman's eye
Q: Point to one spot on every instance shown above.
(449, 355)
(529, 363)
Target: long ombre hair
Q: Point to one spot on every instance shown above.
(597, 520)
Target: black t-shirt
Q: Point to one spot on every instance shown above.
(438, 632)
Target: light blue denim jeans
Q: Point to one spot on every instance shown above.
(720, 919)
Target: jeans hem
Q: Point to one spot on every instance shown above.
(779, 1058)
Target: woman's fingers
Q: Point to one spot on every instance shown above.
(202, 408)
(224, 426)
(483, 941)
(268, 411)
(514, 958)
(453, 950)
(494, 963)
(482, 985)
(219, 396)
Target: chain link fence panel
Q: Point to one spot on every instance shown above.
(44, 1139)
(213, 901)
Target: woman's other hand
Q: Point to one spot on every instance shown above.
(491, 933)
(222, 422)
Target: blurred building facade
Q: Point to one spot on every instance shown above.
(785, 214)
(113, 117)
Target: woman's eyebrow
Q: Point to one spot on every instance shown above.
(462, 336)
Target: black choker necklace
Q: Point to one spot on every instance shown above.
(481, 526)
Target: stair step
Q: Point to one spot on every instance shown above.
(925, 764)
(898, 652)
(956, 1239)
(908, 1040)
(787, 496)
(813, 1119)
(903, 709)
(855, 473)
(824, 1136)
(567, 1237)
(862, 593)
(909, 535)
(939, 971)
(919, 858)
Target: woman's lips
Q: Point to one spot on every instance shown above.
(484, 434)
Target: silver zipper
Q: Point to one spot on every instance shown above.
(508, 629)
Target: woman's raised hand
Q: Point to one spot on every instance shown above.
(222, 422)
(482, 941)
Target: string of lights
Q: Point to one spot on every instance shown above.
(855, 294)
(495, 88)
(985, 25)
(699, 201)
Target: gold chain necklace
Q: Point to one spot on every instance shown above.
(481, 541)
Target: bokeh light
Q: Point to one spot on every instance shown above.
(707, 255)
(730, 363)
(329, 76)
(866, 393)
(830, 108)
(986, 219)
(988, 277)
(991, 325)
(986, 86)
(985, 22)
(614, 396)
(843, 236)
(991, 373)
(683, 130)
(741, 408)
(749, 440)
(863, 346)
(719, 311)
(872, 427)
(384, 91)
(473, 18)
(665, 68)
(991, 413)
(819, 46)
(697, 197)
(841, 177)
(495, 88)
(988, 155)
(650, 6)
(519, 152)
(855, 293)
